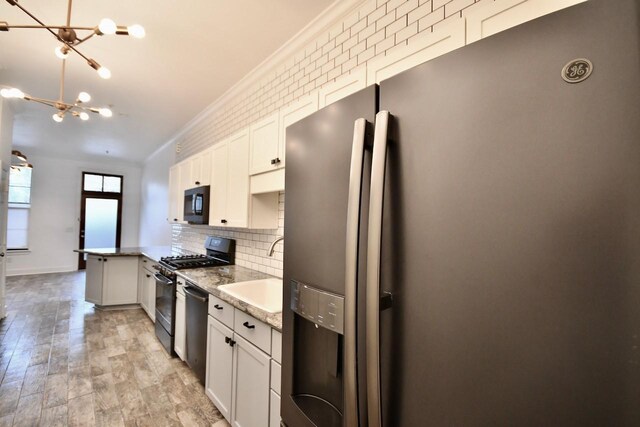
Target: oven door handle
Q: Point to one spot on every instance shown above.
(160, 278)
(192, 295)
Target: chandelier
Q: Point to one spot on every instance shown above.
(68, 36)
(76, 109)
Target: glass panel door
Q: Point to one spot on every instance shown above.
(101, 222)
(101, 213)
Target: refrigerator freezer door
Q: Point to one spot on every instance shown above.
(317, 178)
(511, 229)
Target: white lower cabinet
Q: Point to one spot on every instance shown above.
(94, 279)
(147, 284)
(250, 385)
(181, 325)
(144, 282)
(239, 373)
(218, 381)
(112, 280)
(274, 409)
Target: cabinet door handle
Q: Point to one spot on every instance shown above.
(224, 221)
(277, 160)
(175, 219)
(105, 260)
(218, 307)
(148, 275)
(248, 326)
(232, 343)
(197, 182)
(273, 161)
(227, 340)
(99, 259)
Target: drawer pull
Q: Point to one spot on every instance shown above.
(218, 307)
(248, 326)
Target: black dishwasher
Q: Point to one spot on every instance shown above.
(197, 307)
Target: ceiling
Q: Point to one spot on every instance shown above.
(192, 53)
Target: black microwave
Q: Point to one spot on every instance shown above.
(196, 205)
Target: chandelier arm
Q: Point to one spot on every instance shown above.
(80, 41)
(70, 46)
(48, 102)
(69, 14)
(55, 27)
(64, 63)
(42, 24)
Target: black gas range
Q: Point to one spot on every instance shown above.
(220, 252)
(190, 261)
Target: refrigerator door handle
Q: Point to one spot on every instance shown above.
(351, 273)
(376, 198)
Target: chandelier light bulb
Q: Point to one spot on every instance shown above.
(12, 93)
(136, 31)
(57, 118)
(84, 97)
(105, 112)
(107, 26)
(62, 52)
(104, 72)
(84, 116)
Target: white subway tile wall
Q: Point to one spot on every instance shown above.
(367, 33)
(251, 245)
(371, 31)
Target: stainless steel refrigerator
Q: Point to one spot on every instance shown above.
(463, 241)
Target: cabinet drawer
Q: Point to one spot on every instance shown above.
(220, 310)
(256, 332)
(276, 345)
(276, 373)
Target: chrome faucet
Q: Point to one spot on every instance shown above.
(273, 245)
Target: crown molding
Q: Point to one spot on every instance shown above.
(337, 10)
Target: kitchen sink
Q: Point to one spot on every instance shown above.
(265, 294)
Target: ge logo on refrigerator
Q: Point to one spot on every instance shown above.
(577, 70)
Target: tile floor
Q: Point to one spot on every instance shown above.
(64, 363)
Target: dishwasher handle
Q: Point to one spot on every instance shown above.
(194, 295)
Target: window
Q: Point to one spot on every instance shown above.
(101, 183)
(19, 208)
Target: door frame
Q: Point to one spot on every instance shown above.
(82, 264)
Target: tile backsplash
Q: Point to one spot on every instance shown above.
(251, 245)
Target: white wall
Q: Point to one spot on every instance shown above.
(55, 212)
(154, 198)
(6, 140)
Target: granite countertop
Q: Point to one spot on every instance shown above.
(211, 277)
(153, 252)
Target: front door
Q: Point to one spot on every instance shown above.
(100, 213)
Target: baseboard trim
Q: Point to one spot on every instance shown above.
(32, 271)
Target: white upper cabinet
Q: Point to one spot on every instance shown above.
(492, 17)
(201, 169)
(343, 87)
(229, 205)
(265, 145)
(297, 111)
(196, 170)
(218, 191)
(422, 48)
(238, 180)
